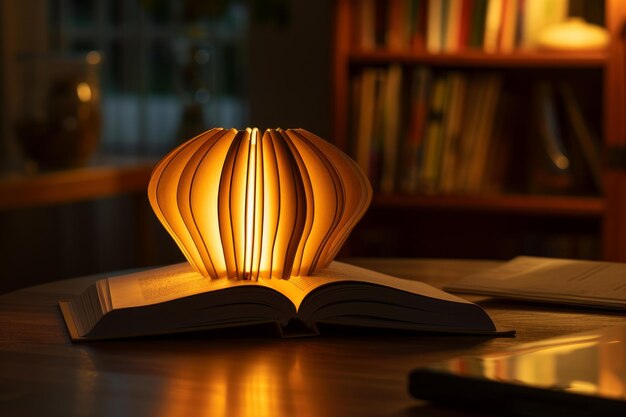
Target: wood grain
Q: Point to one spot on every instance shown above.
(347, 373)
(59, 187)
(571, 206)
(595, 59)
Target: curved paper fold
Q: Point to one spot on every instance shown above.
(244, 205)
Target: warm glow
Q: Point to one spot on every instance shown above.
(236, 386)
(244, 205)
(93, 57)
(574, 34)
(83, 91)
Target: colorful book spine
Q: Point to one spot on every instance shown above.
(494, 26)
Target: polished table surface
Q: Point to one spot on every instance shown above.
(207, 374)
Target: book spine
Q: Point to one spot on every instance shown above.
(380, 23)
(477, 31)
(366, 118)
(377, 143)
(417, 25)
(519, 24)
(431, 162)
(395, 39)
(485, 137)
(366, 38)
(420, 88)
(493, 22)
(391, 125)
(467, 7)
(586, 142)
(467, 145)
(550, 163)
(452, 133)
(433, 37)
(443, 24)
(509, 21)
(453, 26)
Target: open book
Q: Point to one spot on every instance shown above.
(562, 281)
(178, 299)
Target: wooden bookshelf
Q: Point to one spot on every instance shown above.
(606, 211)
(483, 60)
(511, 204)
(20, 190)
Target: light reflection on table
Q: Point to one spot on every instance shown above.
(345, 373)
(592, 363)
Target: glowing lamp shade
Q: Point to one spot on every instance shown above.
(243, 205)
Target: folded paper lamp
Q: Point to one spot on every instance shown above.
(243, 205)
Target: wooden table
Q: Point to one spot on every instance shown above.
(208, 374)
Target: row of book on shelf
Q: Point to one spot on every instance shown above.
(454, 25)
(450, 132)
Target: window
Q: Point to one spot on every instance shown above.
(170, 69)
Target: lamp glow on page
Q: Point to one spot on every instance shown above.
(246, 205)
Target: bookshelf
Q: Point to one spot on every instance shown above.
(593, 59)
(586, 222)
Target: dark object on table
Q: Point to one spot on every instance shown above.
(575, 375)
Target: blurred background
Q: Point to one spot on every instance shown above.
(115, 84)
(488, 129)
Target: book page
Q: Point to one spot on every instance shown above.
(164, 284)
(296, 288)
(181, 280)
(552, 279)
(344, 272)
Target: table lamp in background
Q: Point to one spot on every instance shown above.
(246, 205)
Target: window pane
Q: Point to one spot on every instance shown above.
(170, 68)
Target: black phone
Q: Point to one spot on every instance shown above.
(582, 374)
